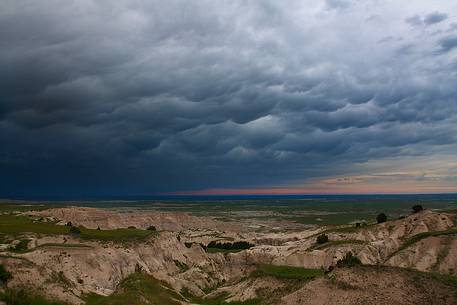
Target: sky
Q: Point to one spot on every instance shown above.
(131, 98)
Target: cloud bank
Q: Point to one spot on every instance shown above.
(136, 98)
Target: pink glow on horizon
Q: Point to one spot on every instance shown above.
(317, 191)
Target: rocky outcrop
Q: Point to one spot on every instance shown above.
(70, 267)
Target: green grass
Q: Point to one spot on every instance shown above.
(138, 289)
(18, 225)
(58, 245)
(115, 235)
(345, 229)
(332, 243)
(443, 278)
(218, 250)
(21, 247)
(418, 237)
(218, 300)
(22, 297)
(287, 272)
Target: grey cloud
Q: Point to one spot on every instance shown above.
(337, 4)
(435, 17)
(137, 98)
(428, 19)
(448, 43)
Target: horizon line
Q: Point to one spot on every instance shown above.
(164, 195)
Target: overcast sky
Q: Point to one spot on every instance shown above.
(145, 97)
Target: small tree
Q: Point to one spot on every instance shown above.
(417, 208)
(5, 276)
(75, 230)
(349, 260)
(152, 228)
(381, 218)
(322, 239)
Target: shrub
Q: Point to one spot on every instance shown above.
(349, 260)
(5, 276)
(21, 246)
(381, 218)
(69, 224)
(238, 245)
(188, 244)
(152, 228)
(322, 239)
(75, 230)
(417, 208)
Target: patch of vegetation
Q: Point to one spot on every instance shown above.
(443, 278)
(59, 277)
(349, 260)
(418, 237)
(21, 246)
(322, 239)
(417, 208)
(343, 229)
(23, 297)
(188, 244)
(13, 225)
(115, 235)
(138, 289)
(287, 272)
(336, 243)
(216, 246)
(381, 218)
(342, 284)
(5, 276)
(181, 266)
(218, 300)
(75, 230)
(152, 228)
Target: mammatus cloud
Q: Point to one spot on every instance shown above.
(135, 98)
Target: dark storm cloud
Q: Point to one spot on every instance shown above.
(131, 97)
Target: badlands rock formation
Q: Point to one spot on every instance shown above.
(69, 267)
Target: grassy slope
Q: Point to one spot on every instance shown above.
(336, 243)
(418, 237)
(21, 297)
(287, 272)
(16, 225)
(135, 289)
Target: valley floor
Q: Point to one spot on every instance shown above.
(78, 255)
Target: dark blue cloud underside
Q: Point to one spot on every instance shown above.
(129, 99)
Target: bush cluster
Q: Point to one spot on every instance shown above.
(417, 208)
(238, 245)
(5, 276)
(349, 260)
(381, 218)
(75, 230)
(152, 228)
(322, 239)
